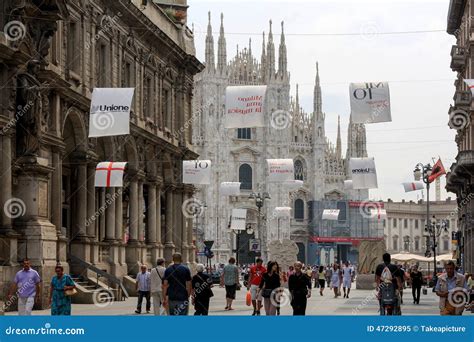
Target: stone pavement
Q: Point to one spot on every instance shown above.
(361, 302)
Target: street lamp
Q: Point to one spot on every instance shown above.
(407, 241)
(434, 230)
(259, 202)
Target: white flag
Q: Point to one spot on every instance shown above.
(470, 84)
(363, 172)
(378, 213)
(348, 184)
(370, 102)
(244, 106)
(293, 184)
(330, 214)
(109, 174)
(110, 111)
(282, 211)
(280, 170)
(238, 219)
(196, 171)
(230, 189)
(412, 186)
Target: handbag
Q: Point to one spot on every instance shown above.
(425, 291)
(70, 292)
(248, 298)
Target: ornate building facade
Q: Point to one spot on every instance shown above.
(49, 66)
(240, 154)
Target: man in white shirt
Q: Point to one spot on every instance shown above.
(143, 288)
(157, 275)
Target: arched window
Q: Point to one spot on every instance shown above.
(299, 170)
(299, 209)
(245, 177)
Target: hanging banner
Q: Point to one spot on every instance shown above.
(378, 213)
(110, 111)
(412, 186)
(109, 174)
(282, 211)
(238, 219)
(230, 189)
(280, 170)
(196, 171)
(370, 102)
(244, 106)
(348, 184)
(363, 172)
(330, 214)
(293, 184)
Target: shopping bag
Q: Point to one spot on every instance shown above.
(248, 299)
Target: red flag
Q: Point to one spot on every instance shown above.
(438, 170)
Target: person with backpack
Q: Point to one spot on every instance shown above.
(157, 275)
(387, 277)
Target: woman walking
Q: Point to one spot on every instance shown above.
(270, 282)
(321, 279)
(61, 290)
(336, 279)
(201, 292)
(416, 281)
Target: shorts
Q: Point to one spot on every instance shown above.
(347, 283)
(321, 283)
(230, 291)
(253, 293)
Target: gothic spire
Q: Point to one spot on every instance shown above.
(270, 53)
(209, 59)
(317, 95)
(221, 49)
(282, 58)
(263, 60)
(338, 140)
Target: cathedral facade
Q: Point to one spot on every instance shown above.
(240, 154)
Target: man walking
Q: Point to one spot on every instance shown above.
(256, 274)
(452, 291)
(26, 286)
(143, 285)
(299, 285)
(177, 287)
(157, 275)
(230, 279)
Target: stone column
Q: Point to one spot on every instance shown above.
(158, 221)
(118, 214)
(92, 215)
(81, 200)
(178, 220)
(132, 251)
(183, 222)
(110, 214)
(151, 214)
(56, 192)
(141, 225)
(169, 245)
(189, 232)
(6, 182)
(133, 229)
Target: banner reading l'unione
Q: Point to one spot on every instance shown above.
(244, 106)
(363, 173)
(370, 102)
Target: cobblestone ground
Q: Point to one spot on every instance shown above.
(361, 302)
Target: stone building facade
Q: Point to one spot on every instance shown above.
(404, 227)
(51, 210)
(460, 179)
(240, 154)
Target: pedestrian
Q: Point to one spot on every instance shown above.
(416, 279)
(321, 279)
(230, 279)
(401, 275)
(451, 288)
(268, 286)
(201, 291)
(387, 278)
(309, 272)
(177, 287)
(143, 286)
(255, 278)
(27, 287)
(157, 276)
(299, 285)
(336, 279)
(328, 275)
(346, 279)
(60, 293)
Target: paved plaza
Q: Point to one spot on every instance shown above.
(361, 302)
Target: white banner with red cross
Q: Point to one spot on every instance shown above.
(109, 174)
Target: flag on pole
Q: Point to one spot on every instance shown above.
(437, 171)
(280, 170)
(244, 106)
(196, 171)
(330, 214)
(412, 186)
(470, 84)
(238, 219)
(348, 184)
(110, 111)
(230, 189)
(109, 174)
(363, 173)
(378, 213)
(370, 102)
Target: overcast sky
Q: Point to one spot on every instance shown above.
(349, 40)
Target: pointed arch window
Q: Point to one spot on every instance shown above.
(299, 210)
(299, 170)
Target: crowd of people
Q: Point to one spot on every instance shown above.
(173, 290)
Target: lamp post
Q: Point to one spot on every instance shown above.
(407, 241)
(259, 202)
(434, 230)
